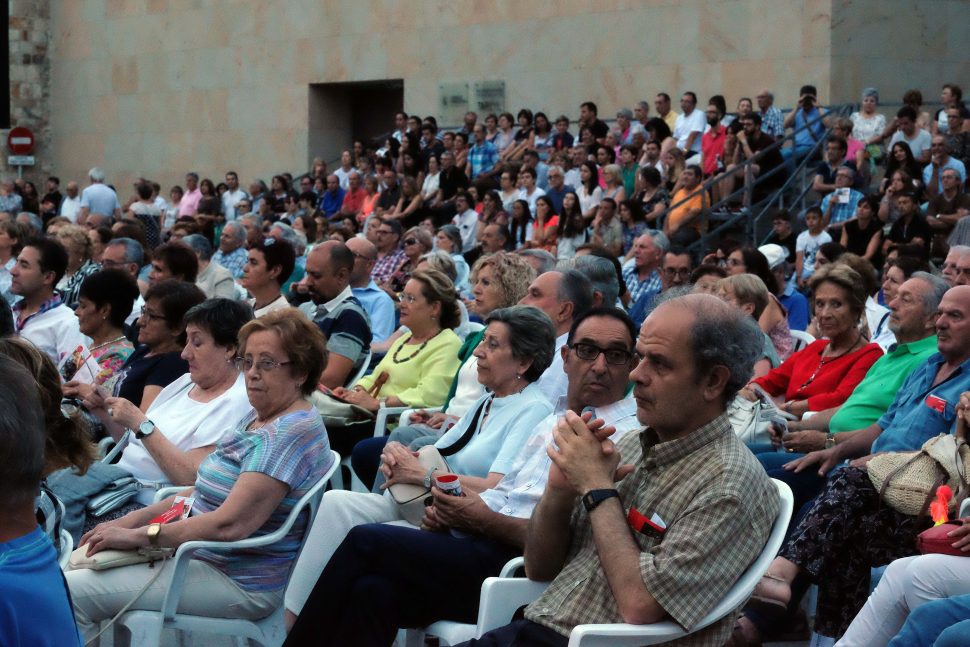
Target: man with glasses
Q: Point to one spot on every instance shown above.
(232, 198)
(941, 161)
(564, 296)
(336, 311)
(126, 254)
(557, 187)
(674, 273)
(390, 254)
(376, 302)
(947, 207)
(488, 528)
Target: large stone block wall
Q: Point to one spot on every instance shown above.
(159, 87)
(29, 35)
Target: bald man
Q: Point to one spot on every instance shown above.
(376, 302)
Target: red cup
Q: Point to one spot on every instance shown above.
(449, 484)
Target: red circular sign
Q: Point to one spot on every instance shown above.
(20, 141)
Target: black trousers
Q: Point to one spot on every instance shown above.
(383, 577)
(520, 633)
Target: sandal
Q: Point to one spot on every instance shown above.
(741, 638)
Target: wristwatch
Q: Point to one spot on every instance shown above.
(154, 530)
(829, 440)
(145, 429)
(427, 477)
(595, 497)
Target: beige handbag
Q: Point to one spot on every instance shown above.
(907, 481)
(106, 559)
(412, 499)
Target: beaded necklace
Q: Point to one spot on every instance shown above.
(396, 356)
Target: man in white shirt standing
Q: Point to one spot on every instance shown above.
(39, 316)
(689, 126)
(466, 219)
(98, 198)
(233, 196)
(346, 168)
(71, 205)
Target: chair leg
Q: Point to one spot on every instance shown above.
(144, 632)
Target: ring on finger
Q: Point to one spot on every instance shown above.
(111, 412)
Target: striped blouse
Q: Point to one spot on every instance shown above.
(293, 449)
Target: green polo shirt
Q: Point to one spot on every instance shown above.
(872, 397)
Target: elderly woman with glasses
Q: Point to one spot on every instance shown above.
(192, 414)
(481, 447)
(268, 458)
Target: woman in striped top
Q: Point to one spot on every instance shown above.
(246, 487)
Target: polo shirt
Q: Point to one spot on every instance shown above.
(698, 200)
(354, 200)
(345, 323)
(379, 307)
(189, 204)
(873, 395)
(556, 195)
(99, 198)
(920, 410)
(330, 202)
(797, 306)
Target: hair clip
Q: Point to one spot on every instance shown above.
(267, 242)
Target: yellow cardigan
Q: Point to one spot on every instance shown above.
(424, 380)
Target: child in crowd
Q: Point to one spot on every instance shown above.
(807, 244)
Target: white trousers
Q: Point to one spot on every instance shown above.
(906, 584)
(99, 595)
(339, 511)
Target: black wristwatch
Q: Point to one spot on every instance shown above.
(595, 497)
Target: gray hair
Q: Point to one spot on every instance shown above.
(556, 168)
(254, 218)
(22, 434)
(531, 335)
(577, 289)
(871, 92)
(602, 276)
(659, 239)
(722, 335)
(33, 220)
(292, 236)
(643, 104)
(133, 250)
(454, 234)
(238, 231)
(938, 287)
(443, 262)
(200, 245)
(547, 262)
(96, 174)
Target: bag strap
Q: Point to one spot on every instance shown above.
(459, 444)
(375, 389)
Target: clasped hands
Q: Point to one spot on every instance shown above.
(400, 465)
(583, 456)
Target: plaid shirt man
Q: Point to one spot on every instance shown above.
(772, 123)
(482, 157)
(718, 506)
(638, 288)
(234, 261)
(386, 266)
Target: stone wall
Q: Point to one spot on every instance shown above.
(30, 63)
(155, 88)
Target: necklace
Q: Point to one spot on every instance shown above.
(110, 341)
(396, 357)
(825, 360)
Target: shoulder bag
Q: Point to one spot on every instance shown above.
(907, 481)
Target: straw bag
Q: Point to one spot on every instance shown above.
(907, 481)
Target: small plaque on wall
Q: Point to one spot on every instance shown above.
(452, 104)
(489, 97)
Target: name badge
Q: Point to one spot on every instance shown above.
(936, 403)
(652, 527)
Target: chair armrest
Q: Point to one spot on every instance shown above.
(165, 492)
(512, 566)
(624, 635)
(117, 449)
(405, 418)
(501, 597)
(965, 508)
(380, 423)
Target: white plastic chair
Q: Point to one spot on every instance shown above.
(109, 451)
(67, 547)
(965, 508)
(800, 339)
(146, 626)
(362, 370)
(501, 597)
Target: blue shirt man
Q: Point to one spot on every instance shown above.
(483, 155)
(332, 199)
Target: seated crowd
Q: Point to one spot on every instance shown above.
(532, 296)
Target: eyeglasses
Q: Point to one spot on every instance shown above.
(674, 271)
(264, 365)
(148, 315)
(404, 297)
(589, 353)
(107, 263)
(362, 257)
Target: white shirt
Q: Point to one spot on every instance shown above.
(57, 334)
(517, 494)
(70, 207)
(135, 310)
(467, 224)
(572, 177)
(229, 201)
(344, 177)
(187, 424)
(554, 380)
(531, 199)
(687, 124)
(279, 304)
(877, 318)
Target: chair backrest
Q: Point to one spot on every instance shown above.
(800, 339)
(364, 365)
(742, 589)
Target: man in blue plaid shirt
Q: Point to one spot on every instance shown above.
(772, 122)
(483, 156)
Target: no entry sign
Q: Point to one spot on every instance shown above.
(20, 141)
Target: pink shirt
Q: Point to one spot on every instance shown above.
(189, 204)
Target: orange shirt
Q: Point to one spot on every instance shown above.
(676, 216)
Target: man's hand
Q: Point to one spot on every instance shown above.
(961, 535)
(826, 459)
(463, 512)
(862, 462)
(583, 461)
